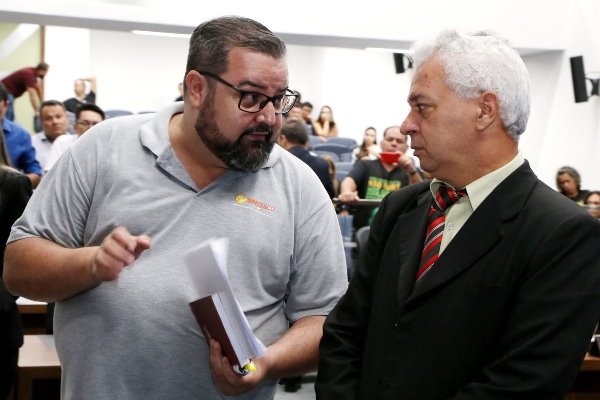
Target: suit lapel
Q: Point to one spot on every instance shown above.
(481, 232)
(410, 244)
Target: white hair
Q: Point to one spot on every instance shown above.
(480, 62)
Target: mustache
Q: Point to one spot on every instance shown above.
(258, 128)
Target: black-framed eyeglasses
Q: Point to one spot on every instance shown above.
(253, 102)
(87, 123)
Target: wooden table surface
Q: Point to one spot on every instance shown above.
(37, 360)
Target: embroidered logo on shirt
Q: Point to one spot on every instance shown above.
(253, 204)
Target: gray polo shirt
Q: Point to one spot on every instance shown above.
(136, 338)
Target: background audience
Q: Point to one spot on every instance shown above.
(26, 80)
(86, 116)
(568, 182)
(592, 203)
(368, 150)
(374, 179)
(325, 126)
(307, 109)
(54, 123)
(82, 95)
(293, 138)
(21, 154)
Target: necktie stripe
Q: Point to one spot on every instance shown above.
(434, 224)
(432, 247)
(443, 199)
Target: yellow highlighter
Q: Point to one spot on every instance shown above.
(245, 370)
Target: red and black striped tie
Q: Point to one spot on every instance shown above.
(444, 198)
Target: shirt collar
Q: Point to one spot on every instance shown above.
(481, 188)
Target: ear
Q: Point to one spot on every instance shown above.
(196, 88)
(282, 140)
(487, 110)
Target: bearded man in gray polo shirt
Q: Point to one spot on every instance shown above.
(105, 232)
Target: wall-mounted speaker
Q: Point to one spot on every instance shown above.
(399, 63)
(578, 75)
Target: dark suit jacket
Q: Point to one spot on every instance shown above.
(15, 190)
(317, 164)
(507, 312)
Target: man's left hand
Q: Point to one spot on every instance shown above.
(226, 379)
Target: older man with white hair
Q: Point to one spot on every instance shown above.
(483, 283)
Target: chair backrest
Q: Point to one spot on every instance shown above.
(332, 147)
(313, 141)
(362, 234)
(346, 157)
(116, 113)
(343, 166)
(344, 141)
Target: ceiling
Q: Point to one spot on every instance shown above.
(152, 15)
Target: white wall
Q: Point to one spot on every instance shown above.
(141, 73)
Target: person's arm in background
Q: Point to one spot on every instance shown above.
(407, 163)
(35, 98)
(319, 130)
(40, 269)
(349, 186)
(333, 131)
(348, 191)
(26, 160)
(92, 81)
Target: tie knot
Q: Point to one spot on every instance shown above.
(446, 196)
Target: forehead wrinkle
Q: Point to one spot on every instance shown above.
(255, 85)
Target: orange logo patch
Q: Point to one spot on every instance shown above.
(255, 204)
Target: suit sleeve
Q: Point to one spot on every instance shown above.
(550, 325)
(344, 332)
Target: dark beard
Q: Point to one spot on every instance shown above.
(241, 155)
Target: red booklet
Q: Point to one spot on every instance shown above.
(215, 307)
(208, 318)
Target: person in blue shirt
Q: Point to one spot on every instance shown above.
(18, 143)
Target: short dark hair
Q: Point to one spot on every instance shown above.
(307, 104)
(89, 107)
(3, 93)
(212, 41)
(42, 66)
(590, 194)
(50, 103)
(294, 131)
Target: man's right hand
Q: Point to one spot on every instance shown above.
(349, 197)
(118, 250)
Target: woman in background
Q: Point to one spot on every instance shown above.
(325, 126)
(15, 190)
(592, 203)
(369, 149)
(568, 182)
